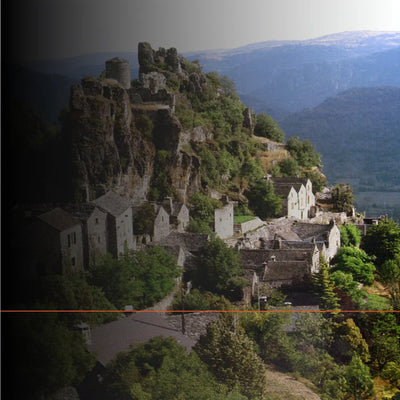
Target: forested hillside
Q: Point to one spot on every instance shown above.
(357, 132)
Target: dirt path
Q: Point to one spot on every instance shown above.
(284, 387)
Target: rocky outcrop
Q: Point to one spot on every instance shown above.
(117, 132)
(108, 148)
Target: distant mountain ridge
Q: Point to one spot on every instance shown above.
(358, 134)
(286, 76)
(279, 77)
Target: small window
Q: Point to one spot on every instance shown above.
(98, 239)
(74, 238)
(73, 261)
(162, 219)
(97, 221)
(69, 240)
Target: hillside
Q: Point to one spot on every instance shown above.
(47, 94)
(357, 133)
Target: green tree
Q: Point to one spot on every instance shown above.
(263, 201)
(265, 126)
(348, 342)
(358, 377)
(350, 235)
(231, 356)
(391, 373)
(382, 241)
(343, 198)
(346, 284)
(143, 220)
(139, 278)
(218, 269)
(355, 262)
(289, 167)
(45, 356)
(324, 288)
(317, 179)
(303, 152)
(162, 369)
(384, 332)
(202, 213)
(71, 291)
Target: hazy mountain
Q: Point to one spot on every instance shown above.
(46, 94)
(86, 65)
(358, 134)
(293, 75)
(279, 77)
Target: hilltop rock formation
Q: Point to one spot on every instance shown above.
(117, 130)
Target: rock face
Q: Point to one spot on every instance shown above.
(118, 131)
(108, 149)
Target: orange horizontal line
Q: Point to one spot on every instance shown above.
(200, 311)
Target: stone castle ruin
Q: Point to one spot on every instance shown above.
(117, 68)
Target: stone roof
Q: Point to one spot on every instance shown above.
(287, 244)
(290, 180)
(284, 190)
(59, 219)
(307, 231)
(82, 211)
(177, 207)
(256, 258)
(283, 185)
(112, 203)
(286, 271)
(192, 242)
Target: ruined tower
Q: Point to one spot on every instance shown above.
(117, 68)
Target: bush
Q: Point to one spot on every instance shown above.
(303, 152)
(218, 269)
(349, 235)
(355, 262)
(263, 201)
(139, 278)
(265, 126)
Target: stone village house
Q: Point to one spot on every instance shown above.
(291, 257)
(95, 230)
(119, 223)
(298, 200)
(55, 243)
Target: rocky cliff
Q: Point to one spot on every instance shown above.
(128, 139)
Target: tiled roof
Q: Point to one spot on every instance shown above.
(112, 203)
(59, 219)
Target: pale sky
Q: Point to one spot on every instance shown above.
(63, 28)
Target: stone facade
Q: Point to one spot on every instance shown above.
(223, 221)
(298, 200)
(56, 243)
(161, 223)
(119, 223)
(249, 225)
(94, 225)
